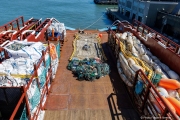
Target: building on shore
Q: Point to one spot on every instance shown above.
(169, 24)
(145, 11)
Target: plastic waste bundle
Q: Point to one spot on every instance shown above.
(58, 28)
(133, 56)
(88, 69)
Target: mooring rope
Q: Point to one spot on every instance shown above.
(93, 22)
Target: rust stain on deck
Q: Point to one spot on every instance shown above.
(102, 99)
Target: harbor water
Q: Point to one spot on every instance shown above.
(77, 14)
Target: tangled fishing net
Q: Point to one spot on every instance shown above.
(88, 69)
(86, 61)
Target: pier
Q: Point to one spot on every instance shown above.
(113, 14)
(106, 2)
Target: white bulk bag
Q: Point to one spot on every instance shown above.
(129, 40)
(136, 67)
(2, 69)
(172, 93)
(121, 57)
(124, 35)
(118, 63)
(146, 58)
(140, 48)
(126, 81)
(148, 53)
(157, 61)
(118, 35)
(173, 75)
(162, 91)
(120, 70)
(164, 67)
(131, 61)
(154, 57)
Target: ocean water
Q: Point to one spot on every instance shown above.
(77, 14)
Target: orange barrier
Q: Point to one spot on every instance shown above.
(53, 52)
(175, 103)
(169, 84)
(169, 104)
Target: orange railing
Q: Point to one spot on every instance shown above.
(145, 99)
(14, 34)
(13, 25)
(45, 89)
(172, 46)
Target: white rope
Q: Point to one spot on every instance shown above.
(118, 22)
(110, 26)
(94, 22)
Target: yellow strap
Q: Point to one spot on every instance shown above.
(18, 76)
(74, 46)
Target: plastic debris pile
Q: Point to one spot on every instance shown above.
(87, 59)
(133, 56)
(19, 69)
(58, 28)
(88, 69)
(87, 46)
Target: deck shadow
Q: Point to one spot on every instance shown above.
(120, 103)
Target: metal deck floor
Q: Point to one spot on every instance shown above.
(102, 99)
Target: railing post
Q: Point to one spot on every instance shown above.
(17, 24)
(176, 49)
(167, 43)
(135, 79)
(36, 75)
(12, 27)
(22, 21)
(27, 103)
(145, 97)
(5, 28)
(43, 55)
(137, 27)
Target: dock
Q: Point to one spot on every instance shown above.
(106, 2)
(106, 98)
(113, 14)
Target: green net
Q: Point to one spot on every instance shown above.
(58, 50)
(156, 78)
(48, 61)
(42, 77)
(24, 115)
(34, 100)
(88, 69)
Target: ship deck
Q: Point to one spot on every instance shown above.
(103, 99)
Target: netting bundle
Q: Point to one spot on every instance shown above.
(88, 69)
